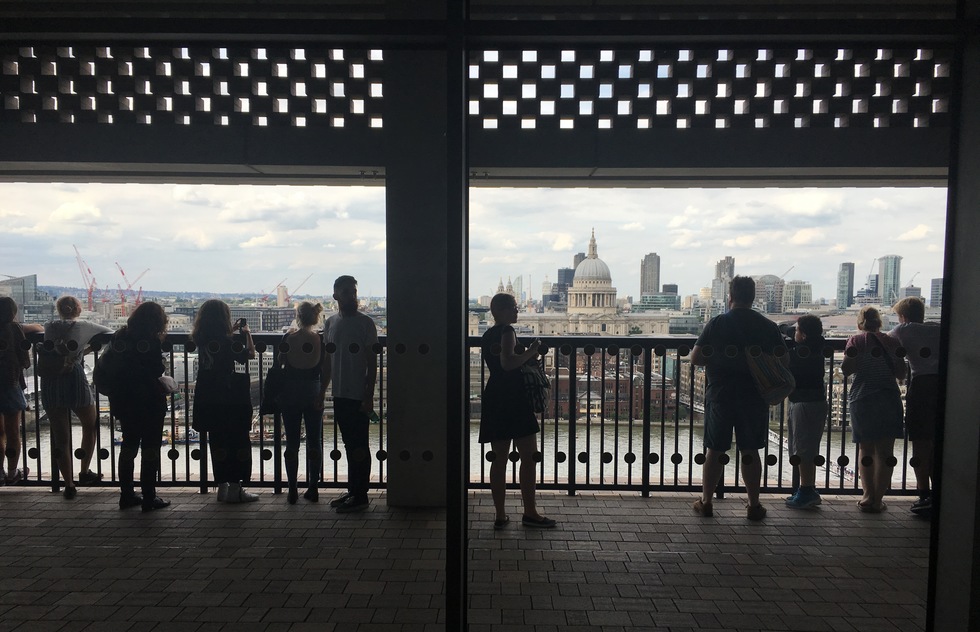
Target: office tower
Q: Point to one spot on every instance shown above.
(725, 268)
(936, 293)
(579, 258)
(845, 285)
(518, 288)
(889, 271)
(795, 294)
(650, 274)
(670, 288)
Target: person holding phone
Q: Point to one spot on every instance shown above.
(507, 415)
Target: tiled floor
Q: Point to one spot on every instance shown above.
(616, 562)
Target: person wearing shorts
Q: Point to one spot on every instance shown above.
(921, 343)
(733, 404)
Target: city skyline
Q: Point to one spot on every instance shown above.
(245, 239)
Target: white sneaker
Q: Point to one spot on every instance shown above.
(246, 497)
(223, 492)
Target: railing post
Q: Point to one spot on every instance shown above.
(572, 415)
(647, 384)
(277, 452)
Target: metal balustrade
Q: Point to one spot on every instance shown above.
(623, 414)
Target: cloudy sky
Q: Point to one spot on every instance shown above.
(248, 238)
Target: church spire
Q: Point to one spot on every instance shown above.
(593, 253)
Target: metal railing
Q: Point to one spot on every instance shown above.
(624, 413)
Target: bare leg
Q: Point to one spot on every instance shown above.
(922, 451)
(711, 474)
(866, 470)
(752, 475)
(498, 476)
(11, 435)
(884, 450)
(526, 447)
(90, 430)
(61, 442)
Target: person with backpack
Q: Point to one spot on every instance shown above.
(131, 371)
(65, 389)
(14, 358)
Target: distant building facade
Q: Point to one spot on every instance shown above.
(936, 293)
(33, 305)
(650, 275)
(889, 281)
(845, 285)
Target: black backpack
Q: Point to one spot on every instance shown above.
(109, 369)
(54, 356)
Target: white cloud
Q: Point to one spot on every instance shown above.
(381, 245)
(508, 244)
(837, 249)
(562, 242)
(918, 233)
(879, 204)
(685, 239)
(733, 218)
(194, 237)
(358, 242)
(677, 221)
(78, 213)
(267, 239)
(632, 227)
(806, 236)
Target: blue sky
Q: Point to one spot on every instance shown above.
(225, 238)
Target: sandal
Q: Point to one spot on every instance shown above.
(702, 508)
(500, 523)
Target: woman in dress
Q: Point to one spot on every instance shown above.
(875, 405)
(139, 402)
(506, 412)
(217, 408)
(301, 399)
(70, 392)
(14, 358)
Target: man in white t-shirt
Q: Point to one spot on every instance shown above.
(921, 343)
(351, 339)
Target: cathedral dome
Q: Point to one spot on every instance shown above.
(592, 268)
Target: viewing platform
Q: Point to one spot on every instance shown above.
(616, 562)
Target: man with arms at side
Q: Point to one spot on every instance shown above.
(351, 338)
(921, 343)
(732, 401)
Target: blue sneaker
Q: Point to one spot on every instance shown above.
(804, 499)
(792, 497)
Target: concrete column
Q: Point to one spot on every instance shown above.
(955, 573)
(417, 247)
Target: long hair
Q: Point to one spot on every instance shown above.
(8, 310)
(147, 321)
(213, 322)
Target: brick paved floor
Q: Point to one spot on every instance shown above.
(617, 562)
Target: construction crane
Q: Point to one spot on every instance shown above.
(129, 288)
(289, 296)
(787, 272)
(265, 297)
(909, 284)
(87, 278)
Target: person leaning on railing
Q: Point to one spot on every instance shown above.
(14, 358)
(70, 392)
(807, 406)
(220, 408)
(875, 405)
(301, 399)
(139, 401)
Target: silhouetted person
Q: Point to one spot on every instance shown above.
(14, 358)
(732, 401)
(70, 392)
(506, 413)
(301, 399)
(224, 412)
(807, 407)
(351, 338)
(875, 405)
(139, 401)
(921, 343)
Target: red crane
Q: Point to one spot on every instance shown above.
(265, 297)
(87, 278)
(289, 295)
(129, 288)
